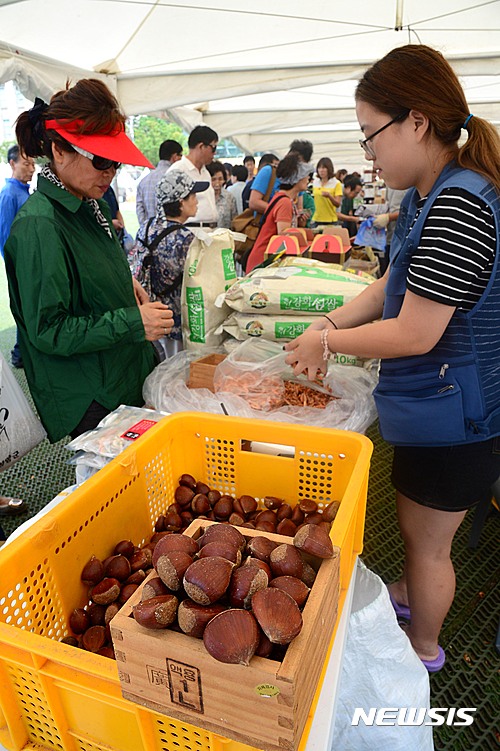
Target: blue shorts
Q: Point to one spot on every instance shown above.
(447, 478)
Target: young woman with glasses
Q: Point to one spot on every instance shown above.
(85, 327)
(433, 319)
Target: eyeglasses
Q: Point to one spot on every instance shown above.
(210, 146)
(98, 162)
(367, 148)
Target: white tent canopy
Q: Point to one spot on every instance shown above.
(262, 75)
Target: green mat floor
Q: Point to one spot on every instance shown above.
(471, 676)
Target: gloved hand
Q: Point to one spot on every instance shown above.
(381, 221)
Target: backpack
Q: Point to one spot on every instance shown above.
(143, 261)
(246, 253)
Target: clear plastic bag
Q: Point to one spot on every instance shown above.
(106, 440)
(165, 389)
(254, 371)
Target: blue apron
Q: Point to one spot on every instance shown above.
(450, 395)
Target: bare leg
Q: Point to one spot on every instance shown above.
(429, 575)
(399, 589)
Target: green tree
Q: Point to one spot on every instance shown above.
(4, 147)
(149, 132)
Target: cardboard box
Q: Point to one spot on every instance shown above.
(265, 704)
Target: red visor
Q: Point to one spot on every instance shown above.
(115, 145)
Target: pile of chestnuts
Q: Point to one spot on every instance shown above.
(245, 568)
(194, 499)
(242, 597)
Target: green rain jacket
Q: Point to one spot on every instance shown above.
(71, 294)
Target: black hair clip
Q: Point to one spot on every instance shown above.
(35, 116)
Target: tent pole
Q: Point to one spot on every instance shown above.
(399, 15)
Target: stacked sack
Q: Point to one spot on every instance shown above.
(209, 271)
(279, 302)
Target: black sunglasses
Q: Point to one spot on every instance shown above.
(98, 162)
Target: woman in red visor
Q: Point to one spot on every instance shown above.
(85, 327)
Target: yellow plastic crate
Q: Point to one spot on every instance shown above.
(53, 696)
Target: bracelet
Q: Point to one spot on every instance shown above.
(330, 320)
(324, 342)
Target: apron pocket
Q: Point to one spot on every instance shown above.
(429, 415)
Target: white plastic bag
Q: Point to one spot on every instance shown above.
(20, 428)
(379, 669)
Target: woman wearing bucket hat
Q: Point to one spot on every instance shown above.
(85, 327)
(162, 245)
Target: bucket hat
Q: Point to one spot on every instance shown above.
(176, 185)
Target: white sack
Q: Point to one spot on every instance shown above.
(208, 273)
(20, 428)
(293, 290)
(379, 669)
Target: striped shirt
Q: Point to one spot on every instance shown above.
(454, 259)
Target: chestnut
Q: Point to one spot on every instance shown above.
(232, 637)
(193, 618)
(207, 579)
(157, 612)
(106, 591)
(285, 560)
(245, 582)
(314, 540)
(93, 571)
(277, 614)
(293, 587)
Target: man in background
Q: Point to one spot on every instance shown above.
(249, 163)
(145, 207)
(352, 189)
(270, 160)
(13, 195)
(202, 144)
(238, 186)
(264, 177)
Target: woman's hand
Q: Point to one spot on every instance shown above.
(140, 293)
(157, 319)
(306, 353)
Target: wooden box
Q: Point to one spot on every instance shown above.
(201, 372)
(265, 705)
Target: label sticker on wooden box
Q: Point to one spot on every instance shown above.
(185, 685)
(267, 690)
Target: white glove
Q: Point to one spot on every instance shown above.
(381, 221)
